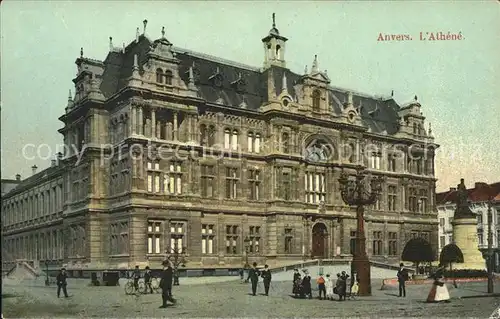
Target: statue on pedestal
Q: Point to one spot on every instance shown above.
(462, 211)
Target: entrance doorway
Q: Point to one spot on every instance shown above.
(319, 241)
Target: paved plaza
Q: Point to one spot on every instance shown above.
(232, 299)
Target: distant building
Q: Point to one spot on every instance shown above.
(278, 141)
(478, 197)
(10, 184)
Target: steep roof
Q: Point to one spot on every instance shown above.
(480, 193)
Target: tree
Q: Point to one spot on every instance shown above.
(451, 253)
(418, 250)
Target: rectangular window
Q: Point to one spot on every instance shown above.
(480, 237)
(207, 239)
(154, 237)
(288, 241)
(393, 243)
(227, 139)
(422, 202)
(207, 181)
(441, 222)
(254, 180)
(315, 187)
(175, 178)
(377, 243)
(391, 198)
(177, 237)
(391, 162)
(231, 182)
(442, 241)
(374, 160)
(414, 234)
(231, 239)
(154, 177)
(286, 182)
(254, 236)
(352, 242)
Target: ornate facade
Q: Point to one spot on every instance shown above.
(168, 148)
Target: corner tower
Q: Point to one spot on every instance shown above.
(274, 47)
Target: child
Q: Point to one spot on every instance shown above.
(354, 289)
(329, 287)
(321, 286)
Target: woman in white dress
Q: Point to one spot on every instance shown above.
(329, 287)
(438, 292)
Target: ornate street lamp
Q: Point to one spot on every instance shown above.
(356, 192)
(176, 257)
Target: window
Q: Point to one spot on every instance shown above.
(211, 135)
(480, 237)
(441, 222)
(412, 200)
(374, 160)
(288, 241)
(254, 236)
(231, 239)
(391, 198)
(203, 135)
(480, 219)
(391, 163)
(393, 243)
(254, 142)
(177, 235)
(316, 97)
(227, 138)
(418, 166)
(231, 183)
(207, 239)
(287, 186)
(442, 241)
(154, 237)
(422, 202)
(254, 179)
(154, 175)
(113, 239)
(168, 77)
(352, 242)
(426, 236)
(498, 237)
(285, 143)
(207, 181)
(175, 178)
(315, 187)
(377, 205)
(159, 75)
(414, 234)
(234, 140)
(377, 243)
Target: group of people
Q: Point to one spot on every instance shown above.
(327, 288)
(253, 277)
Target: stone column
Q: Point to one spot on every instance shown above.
(158, 129)
(140, 120)
(133, 119)
(189, 118)
(176, 128)
(168, 131)
(280, 139)
(153, 122)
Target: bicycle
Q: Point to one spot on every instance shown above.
(130, 288)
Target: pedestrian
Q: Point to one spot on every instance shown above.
(253, 275)
(296, 282)
(402, 278)
(62, 283)
(344, 277)
(321, 286)
(136, 275)
(147, 280)
(306, 289)
(266, 276)
(438, 292)
(329, 287)
(242, 274)
(166, 284)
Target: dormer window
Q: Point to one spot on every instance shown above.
(159, 75)
(316, 98)
(239, 84)
(168, 77)
(216, 78)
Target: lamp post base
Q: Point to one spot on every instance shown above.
(363, 275)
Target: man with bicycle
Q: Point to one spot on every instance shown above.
(147, 281)
(136, 275)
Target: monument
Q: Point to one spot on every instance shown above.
(465, 232)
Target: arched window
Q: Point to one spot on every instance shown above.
(234, 140)
(256, 144)
(211, 136)
(414, 128)
(227, 138)
(253, 142)
(250, 142)
(159, 75)
(285, 143)
(316, 96)
(203, 135)
(168, 77)
(278, 52)
(269, 51)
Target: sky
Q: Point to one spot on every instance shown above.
(457, 82)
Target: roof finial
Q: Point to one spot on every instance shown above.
(416, 98)
(163, 32)
(392, 93)
(136, 64)
(430, 129)
(137, 34)
(314, 68)
(349, 98)
(110, 43)
(70, 97)
(145, 23)
(284, 87)
(81, 52)
(123, 50)
(274, 20)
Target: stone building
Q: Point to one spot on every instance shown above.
(478, 197)
(166, 148)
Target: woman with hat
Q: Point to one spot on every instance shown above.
(438, 292)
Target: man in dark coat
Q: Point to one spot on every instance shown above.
(136, 275)
(402, 278)
(266, 276)
(253, 275)
(343, 285)
(306, 289)
(61, 282)
(296, 282)
(166, 284)
(147, 280)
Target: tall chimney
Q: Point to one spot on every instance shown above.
(33, 169)
(18, 177)
(59, 157)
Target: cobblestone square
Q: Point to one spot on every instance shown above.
(232, 299)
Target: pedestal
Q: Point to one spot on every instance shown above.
(465, 237)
